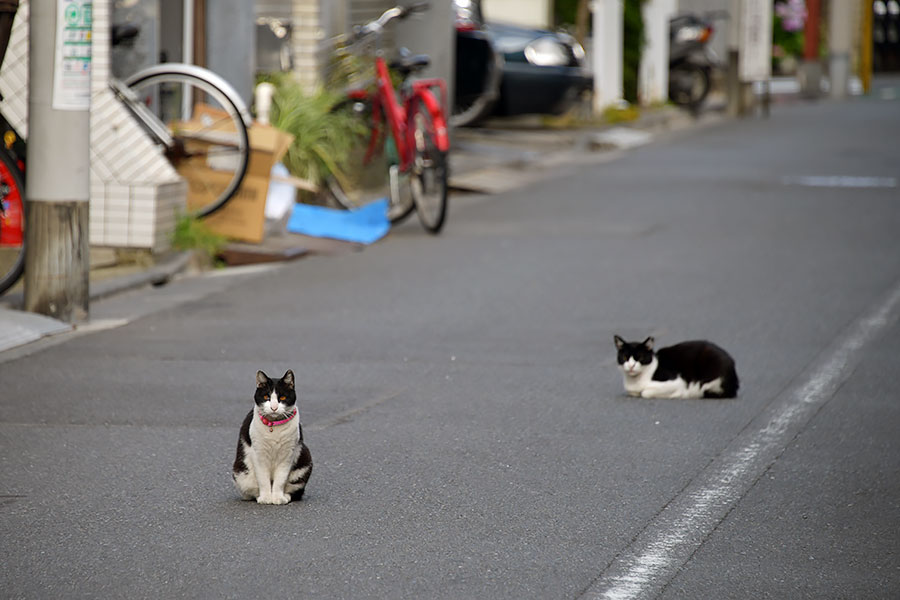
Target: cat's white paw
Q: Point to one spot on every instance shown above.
(265, 499)
(280, 499)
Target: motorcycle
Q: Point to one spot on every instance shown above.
(691, 60)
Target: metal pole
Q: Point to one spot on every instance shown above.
(57, 262)
(187, 53)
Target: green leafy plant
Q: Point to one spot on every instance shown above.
(621, 114)
(788, 37)
(323, 136)
(193, 234)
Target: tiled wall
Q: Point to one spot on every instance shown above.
(135, 192)
(14, 74)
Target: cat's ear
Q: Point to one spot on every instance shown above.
(648, 343)
(288, 379)
(262, 380)
(619, 342)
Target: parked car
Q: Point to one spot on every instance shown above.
(509, 70)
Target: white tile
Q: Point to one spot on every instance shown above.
(116, 236)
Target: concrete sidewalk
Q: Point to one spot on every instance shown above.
(506, 154)
(18, 327)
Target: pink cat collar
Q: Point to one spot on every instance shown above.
(271, 424)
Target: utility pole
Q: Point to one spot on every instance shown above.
(653, 74)
(608, 28)
(57, 262)
(755, 48)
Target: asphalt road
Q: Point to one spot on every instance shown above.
(469, 431)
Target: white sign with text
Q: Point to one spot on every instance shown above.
(755, 39)
(72, 63)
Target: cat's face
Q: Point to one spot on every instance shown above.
(275, 398)
(633, 357)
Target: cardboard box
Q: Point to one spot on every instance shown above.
(243, 216)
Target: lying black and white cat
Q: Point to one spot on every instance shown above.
(697, 369)
(272, 463)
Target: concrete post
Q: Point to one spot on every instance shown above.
(840, 37)
(431, 32)
(736, 105)
(231, 43)
(57, 261)
(608, 53)
(653, 75)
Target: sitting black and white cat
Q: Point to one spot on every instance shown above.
(272, 464)
(696, 369)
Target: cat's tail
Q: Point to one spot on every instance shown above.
(731, 384)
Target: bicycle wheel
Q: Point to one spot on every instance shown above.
(428, 173)
(207, 139)
(12, 221)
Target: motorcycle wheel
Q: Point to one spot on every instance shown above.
(689, 85)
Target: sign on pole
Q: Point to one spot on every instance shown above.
(755, 35)
(72, 64)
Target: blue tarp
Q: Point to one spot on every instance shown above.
(364, 225)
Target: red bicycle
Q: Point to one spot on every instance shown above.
(414, 118)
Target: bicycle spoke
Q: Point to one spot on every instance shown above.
(209, 144)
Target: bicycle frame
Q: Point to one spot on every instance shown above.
(413, 114)
(388, 106)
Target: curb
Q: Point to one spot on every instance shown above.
(155, 275)
(20, 328)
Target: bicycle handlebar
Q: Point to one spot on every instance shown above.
(418, 7)
(397, 12)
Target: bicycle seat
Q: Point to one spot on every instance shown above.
(407, 64)
(124, 33)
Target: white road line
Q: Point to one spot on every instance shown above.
(657, 554)
(840, 181)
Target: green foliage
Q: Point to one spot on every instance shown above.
(786, 45)
(564, 12)
(616, 114)
(193, 234)
(323, 136)
(633, 43)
